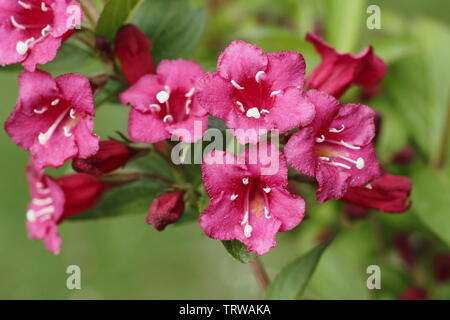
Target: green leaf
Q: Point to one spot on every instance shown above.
(344, 21)
(113, 16)
(292, 280)
(174, 27)
(238, 251)
(431, 201)
(132, 198)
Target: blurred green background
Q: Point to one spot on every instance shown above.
(124, 258)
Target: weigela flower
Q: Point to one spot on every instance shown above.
(165, 103)
(387, 193)
(338, 71)
(53, 200)
(257, 91)
(111, 155)
(336, 147)
(53, 118)
(31, 31)
(247, 204)
(133, 51)
(165, 210)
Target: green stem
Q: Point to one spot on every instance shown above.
(260, 273)
(442, 152)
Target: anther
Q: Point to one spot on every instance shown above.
(267, 189)
(274, 93)
(45, 31)
(40, 111)
(334, 130)
(43, 7)
(258, 76)
(234, 196)
(167, 118)
(245, 181)
(248, 231)
(24, 5)
(266, 213)
(236, 85)
(67, 132)
(72, 114)
(155, 106)
(162, 96)
(320, 139)
(265, 111)
(190, 93)
(16, 24)
(42, 202)
(241, 106)
(55, 102)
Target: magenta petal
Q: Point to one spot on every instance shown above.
(146, 127)
(300, 153)
(77, 90)
(36, 88)
(215, 95)
(221, 171)
(181, 74)
(9, 36)
(263, 236)
(142, 93)
(287, 208)
(189, 130)
(332, 181)
(241, 60)
(291, 109)
(326, 107)
(286, 69)
(41, 53)
(67, 15)
(87, 142)
(247, 130)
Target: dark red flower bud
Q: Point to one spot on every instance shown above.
(102, 44)
(110, 156)
(165, 210)
(81, 192)
(414, 294)
(405, 248)
(354, 211)
(404, 156)
(133, 51)
(387, 193)
(441, 267)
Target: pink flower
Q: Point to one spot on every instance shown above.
(387, 193)
(31, 31)
(336, 148)
(257, 91)
(338, 71)
(247, 204)
(165, 210)
(133, 51)
(165, 104)
(53, 200)
(53, 118)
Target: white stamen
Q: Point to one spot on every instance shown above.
(45, 31)
(31, 215)
(360, 164)
(245, 181)
(162, 96)
(40, 111)
(258, 76)
(43, 137)
(21, 48)
(274, 93)
(155, 106)
(267, 189)
(253, 113)
(42, 202)
(241, 106)
(72, 114)
(190, 93)
(265, 111)
(338, 164)
(266, 213)
(24, 5)
(248, 231)
(67, 132)
(334, 130)
(369, 186)
(234, 196)
(43, 7)
(41, 189)
(167, 118)
(324, 158)
(55, 102)
(16, 24)
(321, 139)
(188, 110)
(236, 85)
(345, 144)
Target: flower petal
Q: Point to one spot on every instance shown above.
(146, 127)
(285, 69)
(180, 74)
(76, 89)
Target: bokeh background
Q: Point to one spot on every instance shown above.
(124, 258)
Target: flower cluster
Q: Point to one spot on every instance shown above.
(255, 93)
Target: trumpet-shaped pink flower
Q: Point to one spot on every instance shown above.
(53, 200)
(53, 118)
(165, 104)
(258, 91)
(247, 204)
(31, 31)
(338, 71)
(336, 148)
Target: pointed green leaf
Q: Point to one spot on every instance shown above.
(113, 16)
(238, 251)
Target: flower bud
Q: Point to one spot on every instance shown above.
(414, 294)
(404, 156)
(110, 156)
(441, 267)
(165, 210)
(81, 192)
(133, 51)
(405, 248)
(354, 211)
